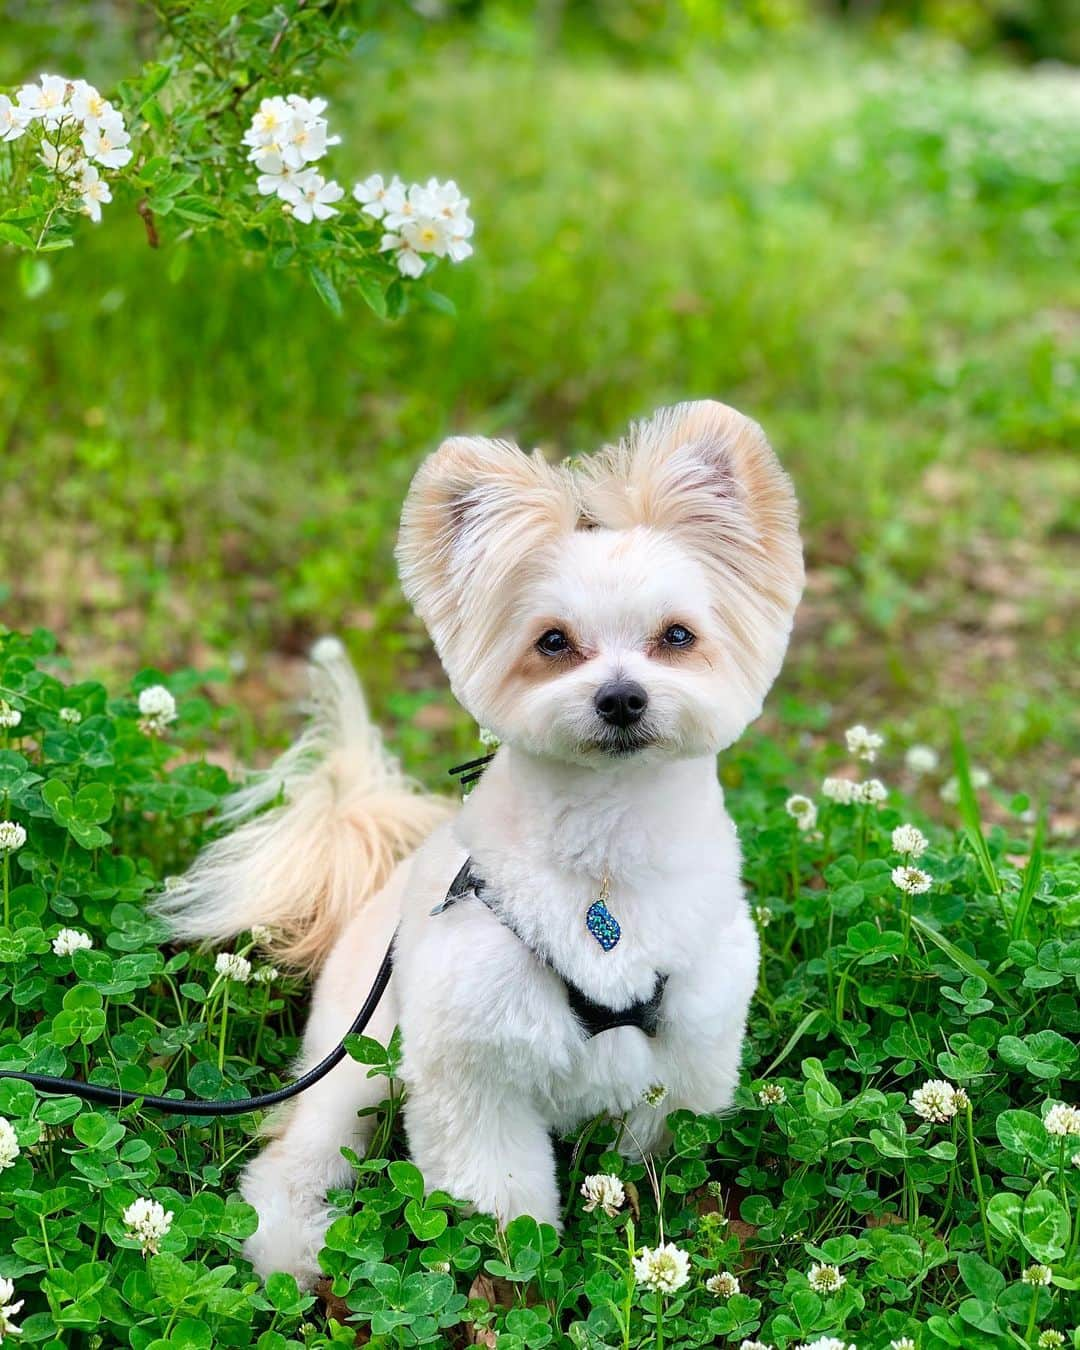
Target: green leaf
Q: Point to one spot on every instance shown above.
(12, 234)
(962, 960)
(407, 1178)
(981, 1279)
(326, 289)
(1038, 1222)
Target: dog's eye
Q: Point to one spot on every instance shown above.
(553, 643)
(678, 635)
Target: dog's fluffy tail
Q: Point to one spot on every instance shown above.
(306, 865)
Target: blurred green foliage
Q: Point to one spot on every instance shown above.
(864, 244)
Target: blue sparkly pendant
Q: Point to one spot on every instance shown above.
(600, 921)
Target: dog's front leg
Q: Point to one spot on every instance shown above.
(483, 1142)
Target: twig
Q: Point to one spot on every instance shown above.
(152, 236)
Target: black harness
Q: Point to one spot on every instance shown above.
(594, 1017)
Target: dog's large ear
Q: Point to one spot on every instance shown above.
(479, 516)
(706, 473)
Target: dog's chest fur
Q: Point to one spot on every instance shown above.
(542, 842)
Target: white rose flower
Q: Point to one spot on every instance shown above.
(12, 120)
(310, 195)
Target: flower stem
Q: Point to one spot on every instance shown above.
(224, 1024)
(977, 1177)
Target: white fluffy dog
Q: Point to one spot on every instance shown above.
(576, 932)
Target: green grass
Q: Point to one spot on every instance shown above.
(865, 993)
(868, 250)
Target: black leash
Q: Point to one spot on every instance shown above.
(186, 1106)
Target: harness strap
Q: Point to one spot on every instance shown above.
(594, 1017)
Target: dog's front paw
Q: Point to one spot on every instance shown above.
(292, 1220)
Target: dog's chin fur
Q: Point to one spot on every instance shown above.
(689, 521)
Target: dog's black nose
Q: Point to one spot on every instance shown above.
(621, 702)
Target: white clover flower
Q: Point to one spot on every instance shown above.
(148, 1222)
(825, 1279)
(872, 791)
(654, 1095)
(488, 739)
(94, 191)
(233, 967)
(46, 101)
(9, 1144)
(950, 790)
(9, 716)
(763, 915)
(935, 1100)
(158, 709)
(802, 810)
(8, 1309)
(13, 120)
(912, 880)
(772, 1094)
(266, 975)
(310, 195)
(904, 1343)
(840, 790)
(376, 196)
(107, 141)
(909, 841)
(262, 934)
(723, 1285)
(663, 1269)
(921, 759)
(826, 1343)
(755, 1345)
(603, 1190)
(72, 716)
(69, 941)
(1062, 1120)
(441, 1267)
(960, 1099)
(863, 744)
(1037, 1274)
(12, 836)
(1050, 1340)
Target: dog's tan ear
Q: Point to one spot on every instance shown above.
(705, 472)
(478, 516)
